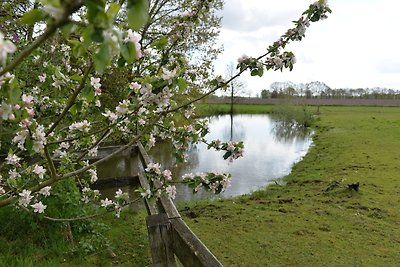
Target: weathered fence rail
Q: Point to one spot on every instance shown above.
(169, 236)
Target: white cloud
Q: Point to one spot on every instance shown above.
(355, 47)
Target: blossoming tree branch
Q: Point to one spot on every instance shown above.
(96, 72)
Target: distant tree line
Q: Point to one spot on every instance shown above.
(318, 89)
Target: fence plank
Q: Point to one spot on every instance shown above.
(159, 229)
(189, 249)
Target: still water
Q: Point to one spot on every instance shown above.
(270, 152)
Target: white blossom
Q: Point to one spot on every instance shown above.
(6, 112)
(14, 174)
(42, 78)
(171, 191)
(153, 167)
(93, 152)
(38, 207)
(93, 175)
(95, 82)
(121, 195)
(242, 58)
(123, 107)
(45, 191)
(27, 99)
(168, 75)
(20, 138)
(83, 126)
(167, 175)
(39, 170)
(13, 159)
(113, 117)
(146, 194)
(39, 138)
(106, 202)
(134, 86)
(25, 198)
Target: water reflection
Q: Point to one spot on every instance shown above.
(270, 151)
(286, 133)
(269, 154)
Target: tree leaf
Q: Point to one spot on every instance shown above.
(128, 52)
(113, 10)
(97, 35)
(102, 57)
(182, 84)
(138, 13)
(14, 93)
(161, 43)
(32, 16)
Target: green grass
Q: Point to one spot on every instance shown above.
(311, 219)
(21, 245)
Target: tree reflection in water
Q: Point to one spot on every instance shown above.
(285, 132)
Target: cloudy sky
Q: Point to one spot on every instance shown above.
(357, 46)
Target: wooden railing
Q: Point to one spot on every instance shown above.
(169, 236)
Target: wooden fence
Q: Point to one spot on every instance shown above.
(170, 237)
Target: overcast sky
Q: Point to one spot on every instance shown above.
(357, 46)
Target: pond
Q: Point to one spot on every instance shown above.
(270, 152)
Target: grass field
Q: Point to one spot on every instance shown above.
(315, 219)
(311, 219)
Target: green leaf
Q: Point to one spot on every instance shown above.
(138, 13)
(32, 16)
(68, 29)
(128, 52)
(227, 155)
(161, 43)
(76, 77)
(87, 33)
(58, 73)
(97, 35)
(29, 145)
(73, 110)
(74, 42)
(94, 7)
(102, 58)
(254, 72)
(78, 51)
(121, 62)
(113, 10)
(182, 84)
(14, 93)
(88, 93)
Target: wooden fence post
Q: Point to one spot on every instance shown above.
(159, 229)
